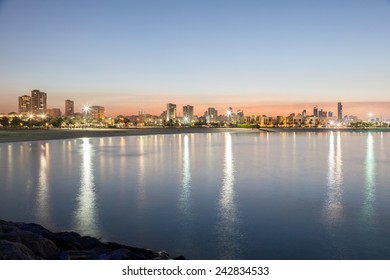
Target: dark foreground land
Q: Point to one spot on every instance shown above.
(22, 241)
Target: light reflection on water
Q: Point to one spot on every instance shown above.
(86, 216)
(368, 208)
(228, 229)
(334, 209)
(42, 207)
(184, 200)
(185, 191)
(141, 174)
(334, 205)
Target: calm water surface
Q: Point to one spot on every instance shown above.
(210, 196)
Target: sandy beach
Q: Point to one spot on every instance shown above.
(23, 135)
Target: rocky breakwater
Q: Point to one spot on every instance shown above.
(23, 241)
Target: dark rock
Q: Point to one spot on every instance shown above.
(88, 242)
(68, 240)
(121, 254)
(41, 246)
(35, 228)
(32, 241)
(163, 255)
(8, 228)
(15, 251)
(78, 255)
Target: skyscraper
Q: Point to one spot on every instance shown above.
(171, 111)
(315, 111)
(212, 115)
(339, 112)
(38, 102)
(25, 104)
(188, 113)
(69, 107)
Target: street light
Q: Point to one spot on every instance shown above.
(86, 109)
(229, 114)
(30, 117)
(43, 116)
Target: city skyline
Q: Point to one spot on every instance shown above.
(309, 109)
(262, 58)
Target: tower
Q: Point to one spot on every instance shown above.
(25, 104)
(38, 102)
(171, 111)
(315, 111)
(69, 107)
(339, 112)
(188, 113)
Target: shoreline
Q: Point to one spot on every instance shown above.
(28, 135)
(324, 129)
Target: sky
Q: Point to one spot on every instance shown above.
(263, 57)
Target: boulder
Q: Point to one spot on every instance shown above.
(15, 251)
(22, 241)
(42, 247)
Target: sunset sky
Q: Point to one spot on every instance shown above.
(264, 57)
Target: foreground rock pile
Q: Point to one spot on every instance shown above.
(22, 241)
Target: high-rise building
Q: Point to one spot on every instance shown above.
(38, 102)
(171, 111)
(25, 104)
(339, 112)
(315, 111)
(240, 116)
(69, 107)
(322, 114)
(212, 115)
(97, 112)
(188, 113)
(304, 113)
